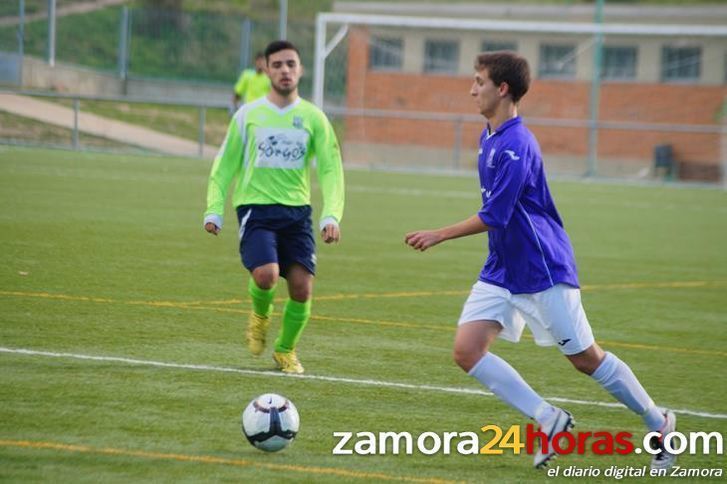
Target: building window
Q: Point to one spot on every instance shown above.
(557, 61)
(619, 63)
(681, 63)
(385, 54)
(493, 45)
(441, 56)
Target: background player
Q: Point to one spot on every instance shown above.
(252, 84)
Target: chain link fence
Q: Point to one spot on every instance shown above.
(637, 105)
(140, 42)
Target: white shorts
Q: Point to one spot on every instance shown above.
(554, 316)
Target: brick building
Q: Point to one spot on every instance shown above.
(655, 89)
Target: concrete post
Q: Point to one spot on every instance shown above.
(52, 32)
(457, 142)
(202, 116)
(245, 44)
(592, 169)
(76, 109)
(723, 143)
(123, 50)
(21, 40)
(283, 20)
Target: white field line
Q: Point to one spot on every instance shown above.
(333, 379)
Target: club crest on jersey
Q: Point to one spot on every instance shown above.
(297, 122)
(512, 155)
(491, 158)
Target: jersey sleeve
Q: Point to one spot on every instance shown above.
(506, 189)
(227, 163)
(329, 168)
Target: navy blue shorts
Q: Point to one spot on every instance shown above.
(276, 233)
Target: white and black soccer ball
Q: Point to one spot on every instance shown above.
(270, 422)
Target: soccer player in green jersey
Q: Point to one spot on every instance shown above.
(252, 83)
(269, 147)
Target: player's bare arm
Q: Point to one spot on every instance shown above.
(423, 239)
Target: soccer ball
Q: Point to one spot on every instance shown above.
(270, 422)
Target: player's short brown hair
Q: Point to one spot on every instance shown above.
(507, 67)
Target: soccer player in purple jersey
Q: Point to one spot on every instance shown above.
(530, 275)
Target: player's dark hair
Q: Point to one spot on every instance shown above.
(507, 67)
(259, 55)
(277, 46)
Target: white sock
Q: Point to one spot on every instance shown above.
(545, 413)
(505, 382)
(617, 378)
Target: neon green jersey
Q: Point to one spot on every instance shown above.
(270, 151)
(251, 86)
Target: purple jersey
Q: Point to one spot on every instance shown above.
(529, 249)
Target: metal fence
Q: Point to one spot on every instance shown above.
(605, 102)
(137, 42)
(108, 123)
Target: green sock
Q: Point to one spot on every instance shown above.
(261, 298)
(295, 317)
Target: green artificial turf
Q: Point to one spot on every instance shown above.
(105, 255)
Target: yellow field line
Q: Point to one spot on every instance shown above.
(402, 294)
(654, 285)
(375, 295)
(640, 346)
(66, 297)
(197, 306)
(396, 324)
(206, 459)
(338, 297)
(587, 287)
(220, 302)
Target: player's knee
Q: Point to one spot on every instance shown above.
(301, 293)
(585, 365)
(466, 357)
(265, 278)
(589, 360)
